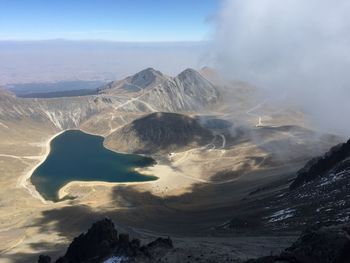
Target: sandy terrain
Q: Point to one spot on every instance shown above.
(197, 189)
(24, 181)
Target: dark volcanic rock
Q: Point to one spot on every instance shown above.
(161, 242)
(242, 224)
(97, 243)
(322, 197)
(44, 259)
(102, 242)
(319, 167)
(159, 132)
(323, 245)
(268, 259)
(157, 248)
(214, 123)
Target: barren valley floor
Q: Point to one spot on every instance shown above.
(203, 183)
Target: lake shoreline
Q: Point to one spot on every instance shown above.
(25, 182)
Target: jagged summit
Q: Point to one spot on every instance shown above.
(149, 70)
(102, 243)
(139, 81)
(143, 79)
(150, 77)
(190, 74)
(188, 71)
(192, 77)
(188, 91)
(146, 91)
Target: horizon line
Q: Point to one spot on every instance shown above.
(104, 40)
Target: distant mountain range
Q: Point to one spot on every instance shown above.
(55, 89)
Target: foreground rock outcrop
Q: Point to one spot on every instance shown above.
(102, 243)
(323, 245)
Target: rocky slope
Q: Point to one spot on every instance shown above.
(188, 91)
(63, 113)
(333, 162)
(102, 244)
(321, 245)
(320, 194)
(144, 79)
(146, 91)
(159, 132)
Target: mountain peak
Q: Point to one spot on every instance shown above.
(143, 79)
(150, 70)
(188, 71)
(145, 74)
(192, 76)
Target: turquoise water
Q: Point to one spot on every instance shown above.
(77, 156)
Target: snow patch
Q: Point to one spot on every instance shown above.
(281, 215)
(115, 260)
(332, 178)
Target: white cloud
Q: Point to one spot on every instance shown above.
(301, 47)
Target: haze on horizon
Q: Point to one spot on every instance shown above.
(60, 60)
(43, 41)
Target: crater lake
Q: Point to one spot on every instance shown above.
(77, 156)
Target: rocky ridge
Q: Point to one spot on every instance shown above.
(188, 91)
(335, 160)
(146, 91)
(318, 195)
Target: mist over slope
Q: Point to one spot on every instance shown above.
(293, 48)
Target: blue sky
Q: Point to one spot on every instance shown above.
(117, 20)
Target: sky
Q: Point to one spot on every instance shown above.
(115, 20)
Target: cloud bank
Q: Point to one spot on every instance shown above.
(297, 47)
